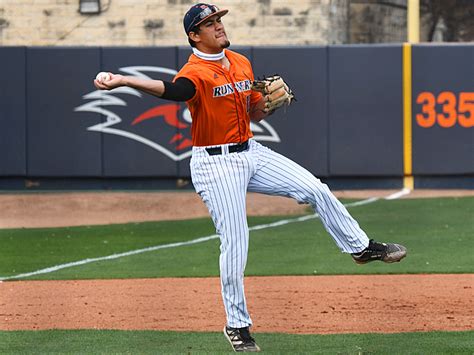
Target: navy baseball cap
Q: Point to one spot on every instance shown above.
(198, 14)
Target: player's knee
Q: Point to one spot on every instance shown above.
(314, 194)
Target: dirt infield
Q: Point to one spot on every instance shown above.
(304, 304)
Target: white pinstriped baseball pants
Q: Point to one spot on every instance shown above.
(222, 181)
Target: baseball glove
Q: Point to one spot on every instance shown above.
(275, 92)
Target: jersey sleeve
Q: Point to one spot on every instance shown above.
(193, 75)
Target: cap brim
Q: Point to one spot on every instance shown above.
(219, 13)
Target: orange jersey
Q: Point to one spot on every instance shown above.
(220, 108)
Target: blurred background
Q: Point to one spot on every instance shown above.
(253, 22)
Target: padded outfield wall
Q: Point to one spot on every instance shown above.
(347, 122)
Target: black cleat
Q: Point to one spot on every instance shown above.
(240, 339)
(386, 252)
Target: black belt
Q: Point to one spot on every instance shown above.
(232, 148)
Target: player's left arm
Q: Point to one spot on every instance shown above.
(257, 110)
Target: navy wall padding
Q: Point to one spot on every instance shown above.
(13, 111)
(347, 120)
(441, 150)
(301, 128)
(58, 141)
(365, 110)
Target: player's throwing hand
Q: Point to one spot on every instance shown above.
(108, 81)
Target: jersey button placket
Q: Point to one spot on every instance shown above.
(236, 97)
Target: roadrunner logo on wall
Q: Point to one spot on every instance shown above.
(168, 116)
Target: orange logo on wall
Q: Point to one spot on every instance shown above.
(451, 109)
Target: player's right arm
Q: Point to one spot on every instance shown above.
(181, 90)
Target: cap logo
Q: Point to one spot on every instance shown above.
(206, 12)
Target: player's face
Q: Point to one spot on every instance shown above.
(212, 37)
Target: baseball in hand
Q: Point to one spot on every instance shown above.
(103, 76)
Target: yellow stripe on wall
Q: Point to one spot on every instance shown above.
(407, 119)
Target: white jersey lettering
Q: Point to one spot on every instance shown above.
(228, 89)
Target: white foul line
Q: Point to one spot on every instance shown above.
(178, 244)
(398, 194)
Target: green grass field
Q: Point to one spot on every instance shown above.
(439, 234)
(151, 342)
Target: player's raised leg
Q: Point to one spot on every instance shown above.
(278, 175)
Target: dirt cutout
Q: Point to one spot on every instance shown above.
(56, 209)
(304, 304)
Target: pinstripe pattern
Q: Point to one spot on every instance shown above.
(222, 181)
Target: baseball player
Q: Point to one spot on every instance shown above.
(219, 88)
